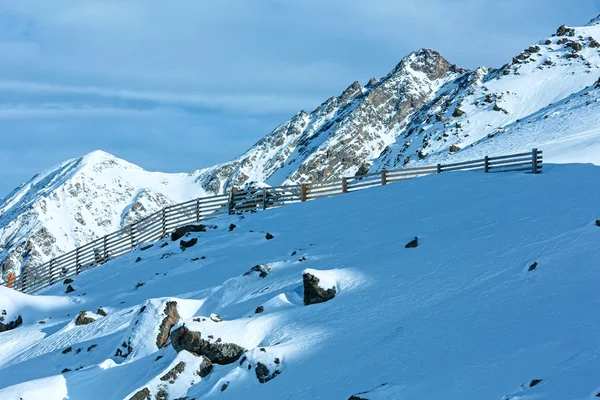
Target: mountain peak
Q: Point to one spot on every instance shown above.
(427, 61)
(594, 21)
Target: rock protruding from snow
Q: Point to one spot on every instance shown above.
(11, 325)
(171, 319)
(84, 319)
(218, 353)
(143, 394)
(184, 230)
(313, 293)
(263, 374)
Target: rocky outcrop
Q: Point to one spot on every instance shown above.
(184, 230)
(261, 270)
(172, 375)
(143, 394)
(313, 293)
(84, 319)
(218, 353)
(205, 367)
(10, 325)
(171, 318)
(413, 243)
(185, 244)
(263, 374)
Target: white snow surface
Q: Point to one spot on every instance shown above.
(459, 317)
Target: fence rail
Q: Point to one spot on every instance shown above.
(158, 225)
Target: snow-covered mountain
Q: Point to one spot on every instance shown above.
(424, 111)
(499, 300)
(78, 201)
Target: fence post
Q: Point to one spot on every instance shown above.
(198, 209)
(131, 235)
(23, 280)
(105, 248)
(77, 266)
(534, 162)
(344, 185)
(439, 169)
(50, 268)
(383, 176)
(304, 192)
(164, 222)
(486, 165)
(265, 193)
(230, 202)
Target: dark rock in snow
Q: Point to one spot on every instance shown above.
(413, 243)
(263, 374)
(143, 394)
(67, 350)
(598, 222)
(263, 270)
(143, 248)
(92, 347)
(101, 312)
(268, 236)
(259, 309)
(138, 259)
(161, 395)
(232, 227)
(458, 112)
(83, 319)
(11, 325)
(68, 281)
(171, 318)
(224, 386)
(69, 289)
(184, 230)
(184, 244)
(313, 293)
(205, 367)
(534, 382)
(64, 371)
(532, 266)
(454, 148)
(165, 244)
(218, 353)
(174, 373)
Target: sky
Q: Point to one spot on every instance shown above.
(181, 85)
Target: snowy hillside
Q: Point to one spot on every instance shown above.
(78, 201)
(424, 111)
(503, 308)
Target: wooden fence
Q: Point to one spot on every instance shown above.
(160, 224)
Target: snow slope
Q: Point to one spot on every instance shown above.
(458, 317)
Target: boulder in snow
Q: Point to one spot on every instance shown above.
(69, 289)
(184, 244)
(171, 318)
(143, 394)
(172, 375)
(84, 319)
(413, 243)
(263, 374)
(263, 270)
(184, 230)
(218, 353)
(313, 293)
(11, 325)
(205, 367)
